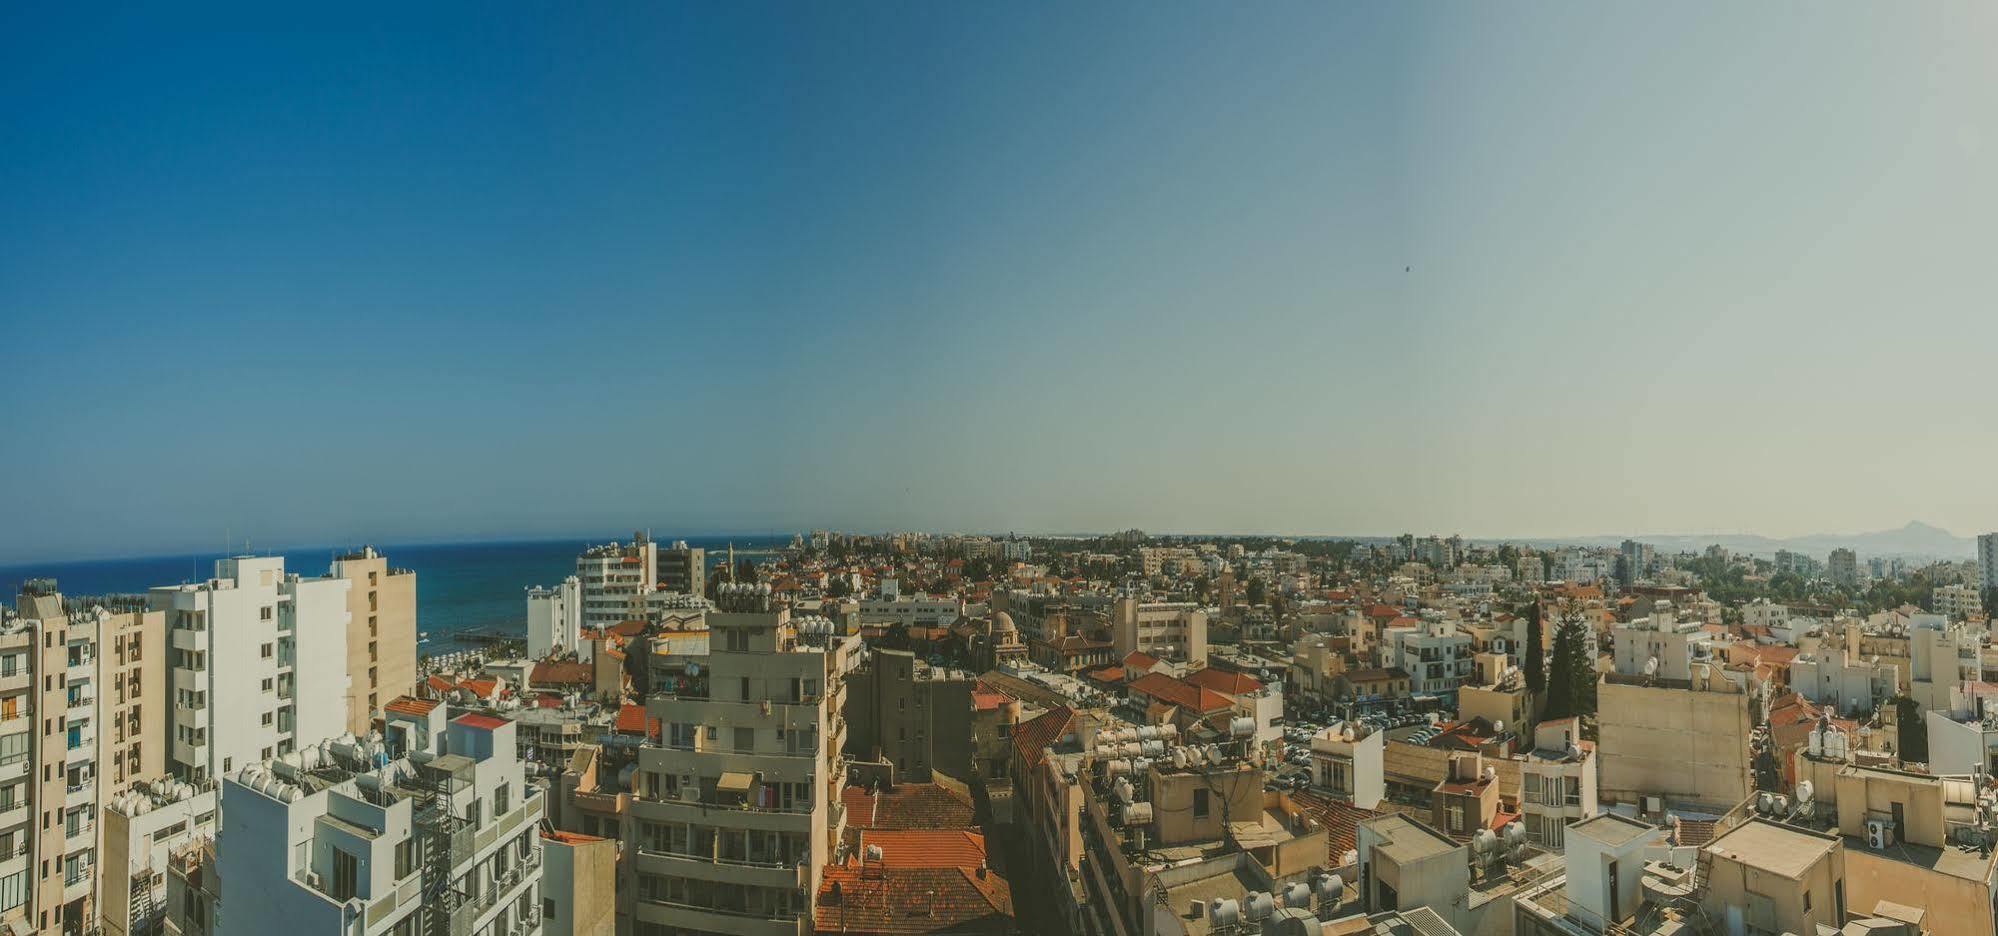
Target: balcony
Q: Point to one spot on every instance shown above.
(737, 922)
(11, 816)
(777, 874)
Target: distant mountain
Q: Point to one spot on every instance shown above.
(1917, 540)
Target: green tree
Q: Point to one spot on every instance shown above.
(1571, 680)
(1913, 733)
(1257, 592)
(1534, 654)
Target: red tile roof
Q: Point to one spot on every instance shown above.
(1178, 692)
(483, 687)
(475, 720)
(1340, 820)
(1033, 737)
(548, 673)
(439, 683)
(569, 838)
(856, 900)
(1108, 674)
(1224, 681)
(631, 720)
(406, 705)
(907, 806)
(1138, 660)
(927, 848)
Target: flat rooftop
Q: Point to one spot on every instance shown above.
(1612, 830)
(1778, 849)
(1226, 878)
(1407, 840)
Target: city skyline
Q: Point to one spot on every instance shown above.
(1297, 269)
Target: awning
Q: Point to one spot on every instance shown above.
(734, 782)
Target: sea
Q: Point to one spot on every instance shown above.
(459, 586)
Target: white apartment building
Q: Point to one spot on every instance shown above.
(1349, 760)
(615, 578)
(259, 663)
(1435, 654)
(142, 828)
(1765, 613)
(555, 618)
(1851, 684)
(443, 841)
(736, 806)
(1941, 658)
(914, 611)
(1661, 645)
(1557, 781)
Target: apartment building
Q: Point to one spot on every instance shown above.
(259, 662)
(1557, 782)
(442, 841)
(82, 714)
(381, 633)
(1958, 602)
(1661, 645)
(1836, 678)
(1674, 742)
(555, 618)
(1436, 656)
(683, 569)
(1169, 630)
(736, 806)
(142, 828)
(911, 715)
(615, 578)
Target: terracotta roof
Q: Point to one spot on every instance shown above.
(1108, 674)
(927, 848)
(985, 700)
(1181, 693)
(1382, 611)
(1339, 818)
(1139, 660)
(475, 720)
(877, 899)
(631, 720)
(439, 683)
(628, 628)
(1224, 681)
(483, 687)
(563, 673)
(907, 806)
(1033, 737)
(569, 838)
(406, 705)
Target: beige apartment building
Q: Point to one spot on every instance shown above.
(736, 805)
(381, 633)
(82, 718)
(1683, 742)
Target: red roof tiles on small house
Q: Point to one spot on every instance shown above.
(405, 705)
(476, 720)
(1224, 681)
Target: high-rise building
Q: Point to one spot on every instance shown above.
(1842, 567)
(683, 569)
(1636, 562)
(554, 618)
(736, 803)
(1987, 561)
(616, 578)
(381, 633)
(259, 663)
(82, 716)
(432, 831)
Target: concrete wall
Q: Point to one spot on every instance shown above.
(577, 881)
(1678, 743)
(1956, 906)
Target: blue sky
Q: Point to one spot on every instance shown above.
(505, 270)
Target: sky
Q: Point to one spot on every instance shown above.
(471, 271)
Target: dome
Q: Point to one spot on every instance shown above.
(1002, 623)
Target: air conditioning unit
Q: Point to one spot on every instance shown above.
(1879, 833)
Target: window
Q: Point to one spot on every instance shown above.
(547, 909)
(264, 613)
(1200, 807)
(264, 651)
(345, 869)
(267, 684)
(405, 858)
(268, 718)
(745, 739)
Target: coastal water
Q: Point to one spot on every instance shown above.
(459, 586)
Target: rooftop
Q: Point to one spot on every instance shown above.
(1785, 851)
(1405, 840)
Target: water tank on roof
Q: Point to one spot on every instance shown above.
(1138, 814)
(1242, 727)
(1257, 907)
(1297, 894)
(1331, 887)
(1224, 912)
